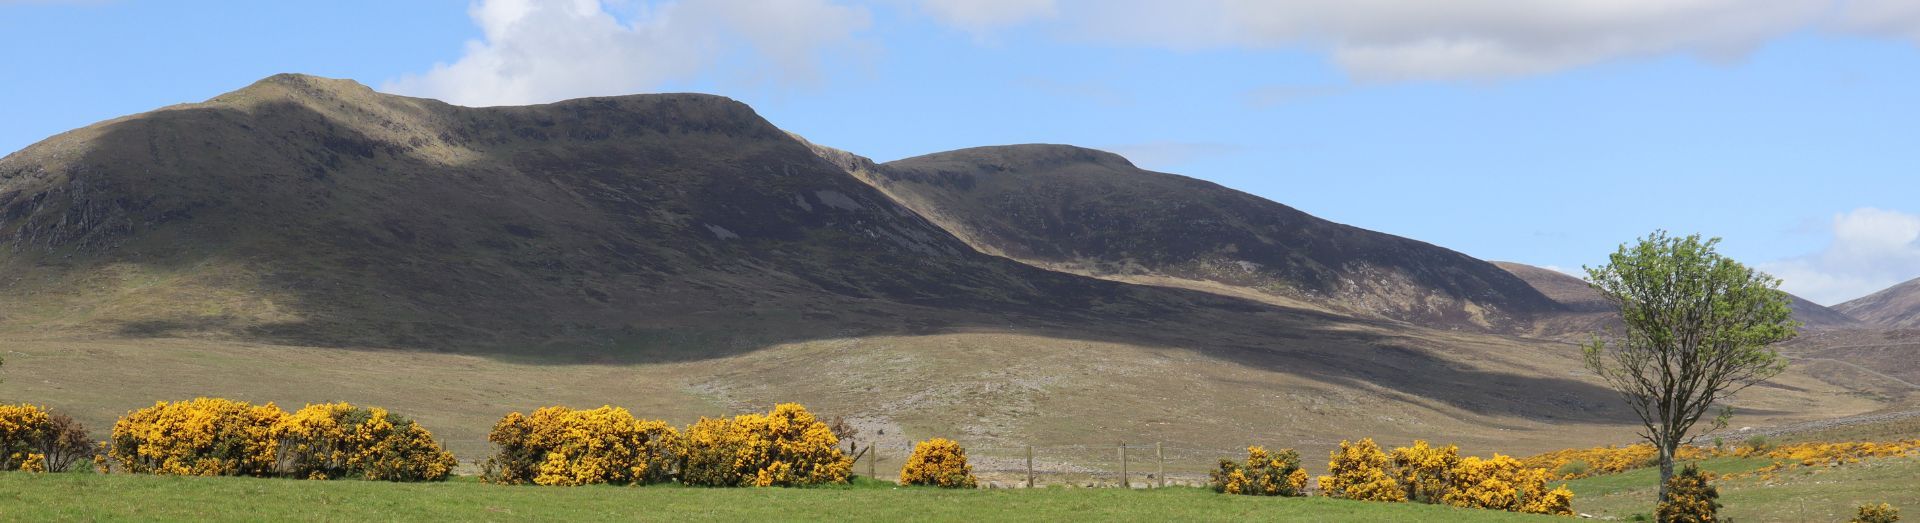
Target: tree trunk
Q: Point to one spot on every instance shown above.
(1666, 468)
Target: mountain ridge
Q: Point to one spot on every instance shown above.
(1593, 311)
(1093, 212)
(1897, 306)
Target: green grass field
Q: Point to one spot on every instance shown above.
(1800, 494)
(1810, 494)
(29, 497)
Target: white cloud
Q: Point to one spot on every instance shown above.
(535, 51)
(1897, 18)
(986, 15)
(1393, 40)
(1384, 40)
(1872, 249)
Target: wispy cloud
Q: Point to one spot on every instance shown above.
(981, 16)
(1396, 40)
(1872, 249)
(536, 51)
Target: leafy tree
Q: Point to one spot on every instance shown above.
(1698, 328)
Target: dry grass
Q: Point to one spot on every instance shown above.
(995, 392)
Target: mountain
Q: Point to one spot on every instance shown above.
(1896, 306)
(317, 211)
(1577, 297)
(305, 239)
(1092, 212)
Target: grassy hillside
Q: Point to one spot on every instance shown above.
(1897, 306)
(1072, 399)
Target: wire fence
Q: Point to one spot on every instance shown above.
(1130, 465)
(1126, 465)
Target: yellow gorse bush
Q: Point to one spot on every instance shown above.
(200, 437)
(1430, 474)
(1607, 460)
(219, 437)
(1881, 513)
(38, 440)
(563, 446)
(1689, 498)
(1610, 460)
(938, 462)
(1264, 474)
(1359, 471)
(1503, 483)
(334, 440)
(22, 427)
(785, 447)
(1425, 471)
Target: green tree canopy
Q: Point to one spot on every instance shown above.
(1698, 327)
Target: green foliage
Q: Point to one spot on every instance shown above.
(1573, 469)
(1699, 327)
(1689, 498)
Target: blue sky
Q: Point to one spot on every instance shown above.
(1544, 133)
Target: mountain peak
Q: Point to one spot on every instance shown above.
(295, 86)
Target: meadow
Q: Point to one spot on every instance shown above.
(1811, 494)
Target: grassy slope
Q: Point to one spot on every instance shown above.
(995, 392)
(1801, 494)
(95, 497)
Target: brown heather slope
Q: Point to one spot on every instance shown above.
(1092, 212)
(1588, 310)
(315, 211)
(308, 240)
(1896, 306)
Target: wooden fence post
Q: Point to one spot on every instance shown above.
(1160, 469)
(1123, 465)
(875, 447)
(863, 454)
(1029, 466)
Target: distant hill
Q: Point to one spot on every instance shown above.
(1577, 297)
(1896, 306)
(1092, 212)
(310, 210)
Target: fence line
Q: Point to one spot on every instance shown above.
(1119, 464)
